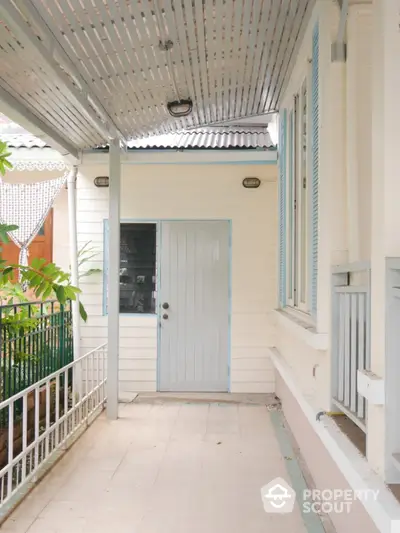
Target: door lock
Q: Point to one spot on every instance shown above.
(165, 316)
(165, 305)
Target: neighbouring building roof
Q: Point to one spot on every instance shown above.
(215, 137)
(206, 138)
(212, 137)
(22, 140)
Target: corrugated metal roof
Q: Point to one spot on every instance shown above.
(22, 140)
(224, 137)
(206, 138)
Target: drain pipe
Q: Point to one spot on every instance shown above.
(73, 244)
(339, 48)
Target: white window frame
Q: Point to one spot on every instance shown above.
(298, 263)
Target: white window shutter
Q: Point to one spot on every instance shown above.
(314, 171)
(282, 208)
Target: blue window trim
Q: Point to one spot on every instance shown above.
(105, 263)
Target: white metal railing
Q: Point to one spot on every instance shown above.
(40, 422)
(350, 337)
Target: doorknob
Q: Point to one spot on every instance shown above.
(165, 316)
(165, 305)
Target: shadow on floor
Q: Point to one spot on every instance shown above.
(358, 438)
(353, 432)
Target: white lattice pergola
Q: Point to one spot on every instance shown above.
(90, 70)
(82, 73)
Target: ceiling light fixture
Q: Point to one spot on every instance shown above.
(165, 46)
(180, 108)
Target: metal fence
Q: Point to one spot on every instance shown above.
(350, 337)
(35, 341)
(55, 410)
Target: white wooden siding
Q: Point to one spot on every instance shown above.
(190, 192)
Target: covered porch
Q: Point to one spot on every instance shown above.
(310, 268)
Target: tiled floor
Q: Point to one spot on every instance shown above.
(172, 467)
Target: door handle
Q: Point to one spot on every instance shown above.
(165, 316)
(165, 305)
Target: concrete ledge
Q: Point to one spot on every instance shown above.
(371, 387)
(385, 511)
(302, 330)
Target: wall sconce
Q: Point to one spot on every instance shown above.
(251, 183)
(180, 108)
(102, 181)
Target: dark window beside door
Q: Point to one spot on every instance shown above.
(138, 268)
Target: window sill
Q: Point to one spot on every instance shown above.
(302, 329)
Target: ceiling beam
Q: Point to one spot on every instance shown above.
(100, 121)
(238, 121)
(19, 113)
(289, 69)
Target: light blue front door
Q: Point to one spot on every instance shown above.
(194, 306)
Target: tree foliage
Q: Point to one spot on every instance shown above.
(44, 279)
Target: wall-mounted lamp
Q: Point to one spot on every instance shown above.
(180, 108)
(251, 183)
(102, 181)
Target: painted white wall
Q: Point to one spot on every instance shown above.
(60, 213)
(191, 192)
(358, 130)
(385, 235)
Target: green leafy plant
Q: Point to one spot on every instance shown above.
(86, 254)
(4, 161)
(45, 279)
(13, 293)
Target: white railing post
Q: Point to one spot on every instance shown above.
(350, 338)
(338, 279)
